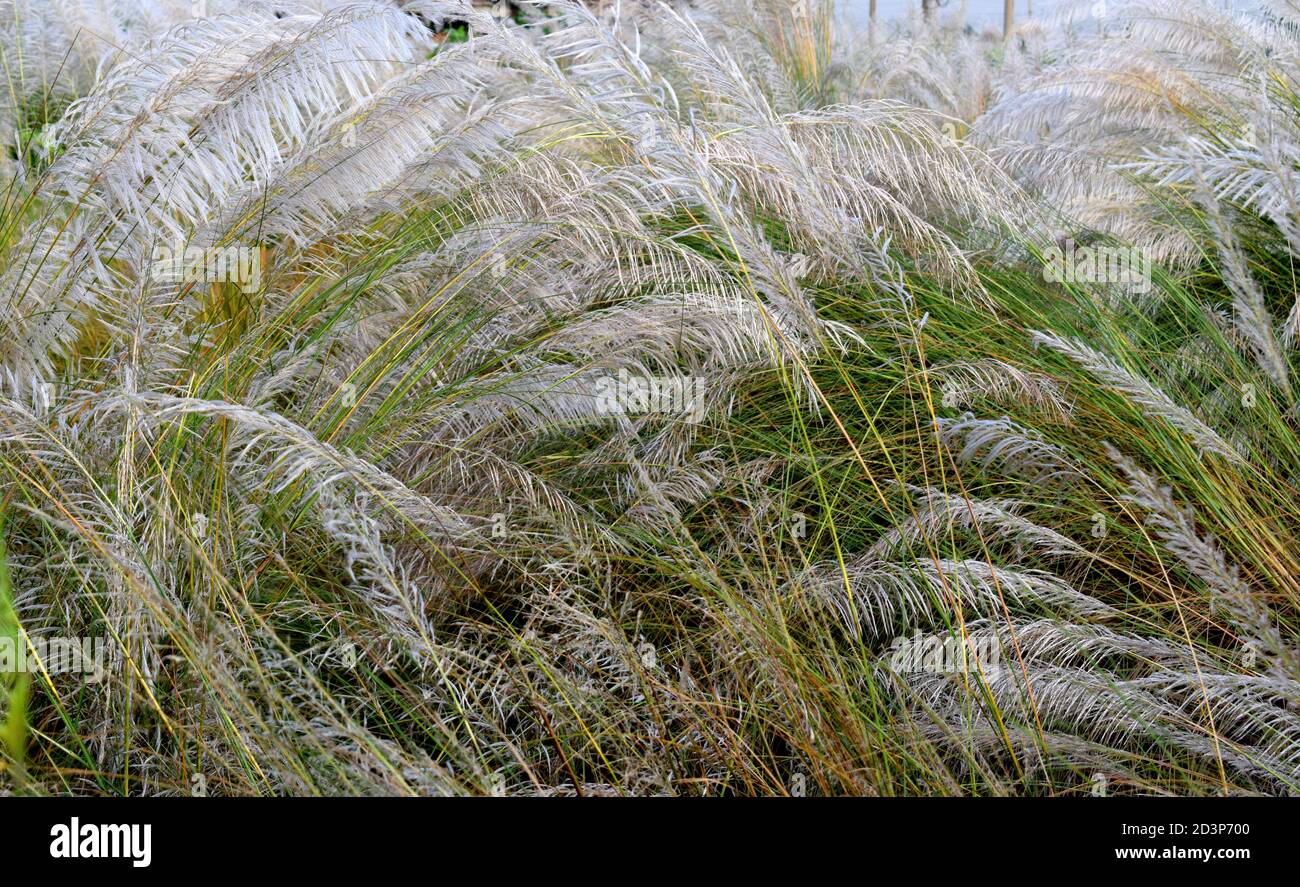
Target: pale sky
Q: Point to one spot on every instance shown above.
(978, 12)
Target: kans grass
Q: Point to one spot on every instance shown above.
(666, 400)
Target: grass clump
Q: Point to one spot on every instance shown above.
(673, 404)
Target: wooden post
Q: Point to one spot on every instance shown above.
(871, 25)
(1008, 17)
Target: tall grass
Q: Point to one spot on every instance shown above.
(355, 511)
(17, 684)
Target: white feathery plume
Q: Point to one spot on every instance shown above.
(1005, 446)
(1201, 555)
(1147, 397)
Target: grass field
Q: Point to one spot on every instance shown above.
(700, 401)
